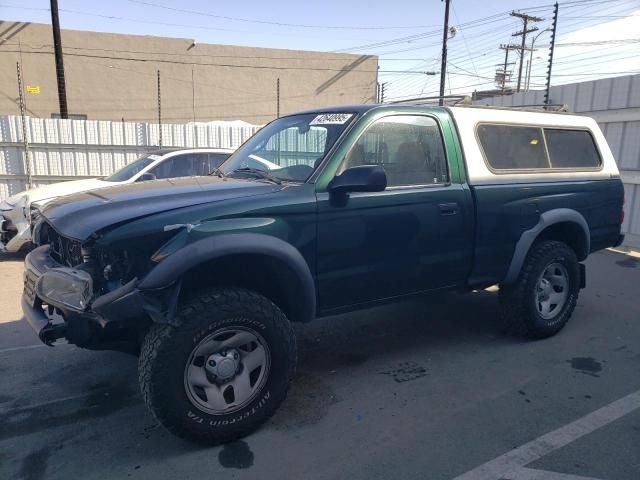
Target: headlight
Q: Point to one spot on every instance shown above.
(34, 215)
(36, 230)
(66, 287)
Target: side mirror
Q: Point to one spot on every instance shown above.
(146, 177)
(363, 178)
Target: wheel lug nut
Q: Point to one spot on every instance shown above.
(236, 356)
(212, 363)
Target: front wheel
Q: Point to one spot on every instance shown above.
(223, 370)
(541, 301)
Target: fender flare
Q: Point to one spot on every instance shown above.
(176, 265)
(527, 238)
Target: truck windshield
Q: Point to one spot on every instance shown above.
(128, 171)
(289, 148)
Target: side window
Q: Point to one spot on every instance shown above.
(187, 165)
(572, 149)
(215, 160)
(409, 147)
(509, 147)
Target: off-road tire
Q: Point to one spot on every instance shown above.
(519, 313)
(166, 349)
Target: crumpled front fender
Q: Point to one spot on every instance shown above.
(22, 238)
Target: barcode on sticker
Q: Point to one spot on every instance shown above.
(331, 119)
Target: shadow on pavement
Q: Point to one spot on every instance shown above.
(91, 387)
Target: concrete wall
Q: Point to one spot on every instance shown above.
(615, 104)
(113, 76)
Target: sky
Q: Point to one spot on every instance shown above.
(595, 39)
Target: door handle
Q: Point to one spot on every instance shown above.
(447, 209)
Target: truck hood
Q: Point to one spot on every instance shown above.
(80, 215)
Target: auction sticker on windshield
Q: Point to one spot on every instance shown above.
(331, 119)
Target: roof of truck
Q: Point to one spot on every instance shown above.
(363, 108)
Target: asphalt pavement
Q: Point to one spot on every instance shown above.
(424, 389)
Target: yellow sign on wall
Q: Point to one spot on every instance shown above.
(33, 89)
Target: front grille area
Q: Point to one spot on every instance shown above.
(63, 250)
(30, 279)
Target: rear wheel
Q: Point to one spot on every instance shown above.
(223, 370)
(541, 301)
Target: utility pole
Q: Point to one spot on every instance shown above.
(443, 66)
(504, 70)
(25, 141)
(551, 48)
(57, 47)
(159, 113)
(504, 74)
(193, 96)
(278, 98)
(525, 20)
(382, 89)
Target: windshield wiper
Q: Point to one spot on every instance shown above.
(257, 173)
(217, 172)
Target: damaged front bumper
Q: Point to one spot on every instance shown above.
(58, 302)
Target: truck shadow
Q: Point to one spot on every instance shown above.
(12, 257)
(101, 387)
(424, 322)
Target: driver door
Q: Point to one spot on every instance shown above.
(413, 236)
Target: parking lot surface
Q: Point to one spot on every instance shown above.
(424, 389)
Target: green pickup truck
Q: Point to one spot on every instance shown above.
(318, 213)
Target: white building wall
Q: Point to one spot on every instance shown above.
(615, 104)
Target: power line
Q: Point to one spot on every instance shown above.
(322, 57)
(229, 65)
(464, 38)
(280, 24)
(413, 38)
(169, 24)
(526, 19)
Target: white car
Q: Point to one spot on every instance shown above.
(15, 211)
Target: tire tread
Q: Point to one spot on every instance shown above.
(515, 318)
(152, 364)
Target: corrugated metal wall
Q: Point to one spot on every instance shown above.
(615, 104)
(68, 149)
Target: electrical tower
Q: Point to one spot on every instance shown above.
(526, 19)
